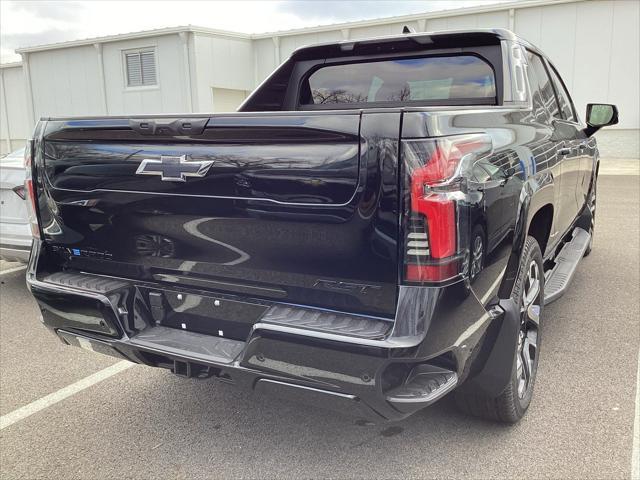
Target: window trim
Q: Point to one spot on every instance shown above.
(543, 60)
(477, 101)
(551, 67)
(139, 50)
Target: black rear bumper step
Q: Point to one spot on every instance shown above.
(196, 346)
(295, 320)
(424, 385)
(330, 322)
(86, 281)
(558, 280)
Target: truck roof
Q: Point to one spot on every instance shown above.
(443, 38)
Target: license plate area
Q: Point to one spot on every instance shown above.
(208, 314)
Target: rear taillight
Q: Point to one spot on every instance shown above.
(434, 226)
(30, 191)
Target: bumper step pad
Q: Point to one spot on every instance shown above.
(196, 346)
(329, 322)
(424, 385)
(558, 280)
(86, 281)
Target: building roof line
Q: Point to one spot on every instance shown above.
(10, 65)
(495, 7)
(454, 12)
(134, 35)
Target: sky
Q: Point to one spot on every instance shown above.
(26, 23)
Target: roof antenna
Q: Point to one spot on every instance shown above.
(407, 29)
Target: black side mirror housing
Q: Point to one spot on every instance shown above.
(600, 115)
(509, 172)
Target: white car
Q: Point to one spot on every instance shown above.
(15, 232)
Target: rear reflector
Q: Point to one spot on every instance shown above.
(19, 190)
(437, 272)
(30, 191)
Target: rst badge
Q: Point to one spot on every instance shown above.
(174, 169)
(360, 288)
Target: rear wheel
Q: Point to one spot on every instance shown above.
(476, 253)
(528, 293)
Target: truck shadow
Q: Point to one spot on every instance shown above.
(208, 408)
(211, 424)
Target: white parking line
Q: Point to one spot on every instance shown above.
(14, 269)
(635, 450)
(55, 397)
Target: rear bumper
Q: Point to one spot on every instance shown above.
(15, 253)
(271, 366)
(361, 380)
(353, 364)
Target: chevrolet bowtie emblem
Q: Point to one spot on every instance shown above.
(174, 169)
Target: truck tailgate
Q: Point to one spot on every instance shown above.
(294, 208)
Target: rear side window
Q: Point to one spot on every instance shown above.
(543, 85)
(566, 106)
(461, 79)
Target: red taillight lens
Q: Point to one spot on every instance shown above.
(437, 272)
(28, 185)
(441, 214)
(30, 190)
(435, 179)
(19, 190)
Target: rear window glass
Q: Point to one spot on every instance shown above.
(427, 79)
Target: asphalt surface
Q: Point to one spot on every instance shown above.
(147, 423)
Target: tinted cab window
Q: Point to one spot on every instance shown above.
(541, 86)
(566, 105)
(463, 79)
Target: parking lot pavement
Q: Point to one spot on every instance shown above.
(147, 423)
(32, 361)
(4, 265)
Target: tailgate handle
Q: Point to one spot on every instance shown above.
(169, 126)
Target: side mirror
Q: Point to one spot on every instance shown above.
(600, 115)
(509, 172)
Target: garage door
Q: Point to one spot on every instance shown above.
(226, 99)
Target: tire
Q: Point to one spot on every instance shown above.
(511, 405)
(477, 252)
(463, 289)
(592, 207)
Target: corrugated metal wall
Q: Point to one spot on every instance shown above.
(596, 47)
(594, 43)
(14, 122)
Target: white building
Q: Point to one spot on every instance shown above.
(594, 43)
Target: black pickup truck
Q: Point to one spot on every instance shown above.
(380, 223)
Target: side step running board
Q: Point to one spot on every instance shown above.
(424, 385)
(558, 279)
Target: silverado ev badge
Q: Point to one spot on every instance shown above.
(174, 169)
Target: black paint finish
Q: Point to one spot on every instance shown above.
(302, 212)
(274, 217)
